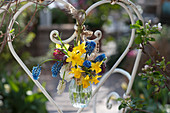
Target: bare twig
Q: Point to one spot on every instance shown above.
(28, 22)
(4, 15)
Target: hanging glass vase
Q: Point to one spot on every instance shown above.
(79, 96)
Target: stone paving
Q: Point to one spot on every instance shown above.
(113, 83)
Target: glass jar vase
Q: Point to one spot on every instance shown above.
(79, 96)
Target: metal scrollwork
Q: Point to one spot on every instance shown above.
(85, 34)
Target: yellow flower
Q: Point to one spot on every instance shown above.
(95, 79)
(124, 85)
(96, 67)
(85, 81)
(77, 72)
(59, 46)
(75, 58)
(80, 48)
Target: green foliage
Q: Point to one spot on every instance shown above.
(17, 95)
(151, 94)
(131, 103)
(100, 15)
(144, 33)
(59, 17)
(152, 102)
(143, 100)
(154, 77)
(15, 90)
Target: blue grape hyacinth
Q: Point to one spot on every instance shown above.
(56, 68)
(100, 58)
(90, 47)
(36, 70)
(87, 63)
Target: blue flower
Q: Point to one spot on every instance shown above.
(56, 68)
(36, 70)
(100, 58)
(90, 47)
(87, 63)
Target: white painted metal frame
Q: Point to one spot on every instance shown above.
(123, 3)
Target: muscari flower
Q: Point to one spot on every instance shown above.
(36, 72)
(100, 58)
(87, 63)
(90, 47)
(56, 68)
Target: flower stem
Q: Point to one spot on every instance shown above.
(62, 43)
(79, 31)
(85, 57)
(80, 25)
(63, 77)
(49, 60)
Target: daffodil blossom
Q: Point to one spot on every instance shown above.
(96, 67)
(85, 81)
(75, 58)
(77, 72)
(80, 48)
(95, 79)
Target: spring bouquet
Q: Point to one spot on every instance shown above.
(79, 64)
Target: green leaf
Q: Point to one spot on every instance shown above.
(148, 85)
(139, 22)
(148, 62)
(139, 105)
(30, 37)
(29, 98)
(12, 30)
(151, 39)
(135, 26)
(138, 40)
(62, 43)
(168, 63)
(122, 106)
(119, 99)
(154, 32)
(13, 86)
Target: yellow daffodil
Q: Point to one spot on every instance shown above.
(75, 58)
(85, 81)
(77, 72)
(59, 46)
(95, 79)
(96, 67)
(80, 48)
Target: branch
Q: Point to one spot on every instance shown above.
(141, 110)
(163, 73)
(28, 23)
